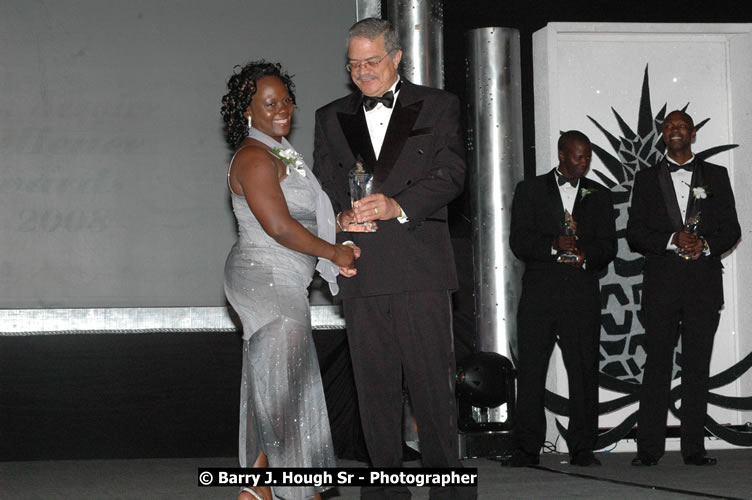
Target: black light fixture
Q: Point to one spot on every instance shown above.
(482, 379)
(486, 380)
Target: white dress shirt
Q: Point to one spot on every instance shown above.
(567, 192)
(377, 120)
(568, 195)
(682, 180)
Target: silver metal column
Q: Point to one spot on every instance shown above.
(367, 8)
(420, 25)
(495, 146)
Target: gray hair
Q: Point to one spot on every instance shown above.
(372, 28)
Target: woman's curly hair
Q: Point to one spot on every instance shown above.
(242, 86)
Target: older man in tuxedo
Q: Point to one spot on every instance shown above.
(563, 228)
(397, 308)
(682, 218)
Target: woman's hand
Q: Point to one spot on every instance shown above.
(344, 255)
(348, 271)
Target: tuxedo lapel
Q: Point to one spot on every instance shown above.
(576, 208)
(694, 205)
(400, 124)
(355, 129)
(669, 196)
(555, 205)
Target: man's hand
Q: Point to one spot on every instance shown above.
(574, 263)
(376, 207)
(565, 243)
(689, 243)
(346, 220)
(684, 239)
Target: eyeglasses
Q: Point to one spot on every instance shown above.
(371, 63)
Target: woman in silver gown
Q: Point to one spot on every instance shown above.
(285, 222)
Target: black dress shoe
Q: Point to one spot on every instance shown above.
(521, 458)
(584, 458)
(644, 461)
(700, 460)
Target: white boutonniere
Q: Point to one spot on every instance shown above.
(291, 158)
(587, 192)
(699, 192)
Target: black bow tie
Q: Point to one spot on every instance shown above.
(673, 167)
(564, 180)
(371, 102)
(387, 99)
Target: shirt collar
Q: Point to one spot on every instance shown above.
(393, 87)
(671, 160)
(396, 94)
(559, 174)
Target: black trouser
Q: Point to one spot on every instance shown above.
(565, 307)
(679, 298)
(408, 333)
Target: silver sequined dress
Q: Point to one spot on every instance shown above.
(282, 406)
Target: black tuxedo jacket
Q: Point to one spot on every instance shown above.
(654, 215)
(538, 217)
(421, 165)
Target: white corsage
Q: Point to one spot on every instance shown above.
(291, 158)
(587, 192)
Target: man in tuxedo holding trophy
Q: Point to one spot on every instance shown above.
(563, 229)
(399, 146)
(682, 218)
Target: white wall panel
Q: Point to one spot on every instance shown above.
(587, 72)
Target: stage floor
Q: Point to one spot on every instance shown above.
(554, 478)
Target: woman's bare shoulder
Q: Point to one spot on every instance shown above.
(253, 151)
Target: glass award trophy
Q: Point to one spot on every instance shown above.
(691, 227)
(570, 229)
(361, 185)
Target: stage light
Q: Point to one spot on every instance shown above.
(484, 378)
